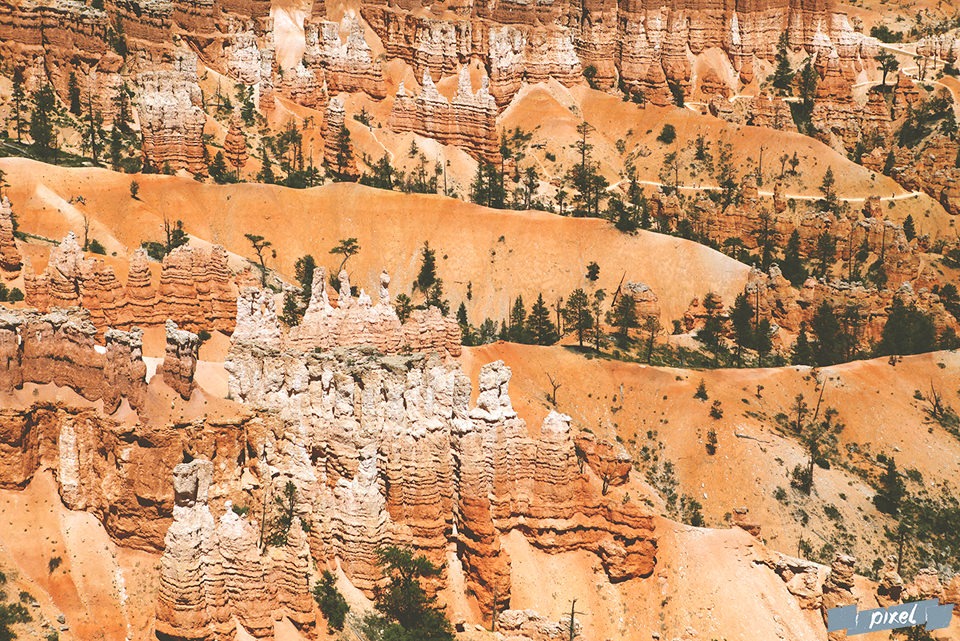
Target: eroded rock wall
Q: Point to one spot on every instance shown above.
(196, 289)
(398, 454)
(469, 121)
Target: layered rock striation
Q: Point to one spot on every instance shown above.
(172, 119)
(385, 448)
(60, 348)
(10, 258)
(469, 121)
(195, 289)
(180, 359)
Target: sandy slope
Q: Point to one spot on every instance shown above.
(502, 253)
(102, 590)
(876, 402)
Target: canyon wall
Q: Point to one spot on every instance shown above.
(643, 45)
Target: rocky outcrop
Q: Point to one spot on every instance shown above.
(788, 308)
(838, 589)
(608, 459)
(180, 360)
(890, 586)
(235, 144)
(60, 348)
(469, 121)
(357, 321)
(196, 289)
(345, 65)
(528, 625)
(215, 572)
(951, 594)
(519, 55)
(389, 450)
(172, 119)
(647, 47)
(804, 579)
(10, 258)
(932, 169)
(124, 372)
(337, 148)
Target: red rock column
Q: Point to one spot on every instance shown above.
(180, 360)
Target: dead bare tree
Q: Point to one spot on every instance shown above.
(552, 397)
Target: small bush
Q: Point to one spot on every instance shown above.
(54, 563)
(590, 73)
(134, 189)
(667, 135)
(712, 442)
(716, 412)
(204, 336)
(16, 295)
(97, 248)
(780, 494)
(241, 510)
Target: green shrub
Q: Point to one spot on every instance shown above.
(331, 603)
(667, 135)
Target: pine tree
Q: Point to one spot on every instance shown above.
(43, 129)
(711, 335)
(428, 269)
(829, 346)
(435, 298)
(518, 316)
(266, 174)
(577, 314)
(792, 267)
(909, 228)
(624, 317)
(344, 156)
(701, 393)
(825, 253)
(763, 340)
(466, 331)
(741, 317)
(122, 103)
(540, 327)
(93, 140)
(18, 99)
(303, 269)
(403, 306)
(892, 489)
(404, 610)
(116, 147)
(73, 94)
(218, 169)
(783, 74)
(802, 351)
(828, 188)
(907, 331)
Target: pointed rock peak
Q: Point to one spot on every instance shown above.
(346, 298)
(384, 287)
(556, 423)
(464, 86)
